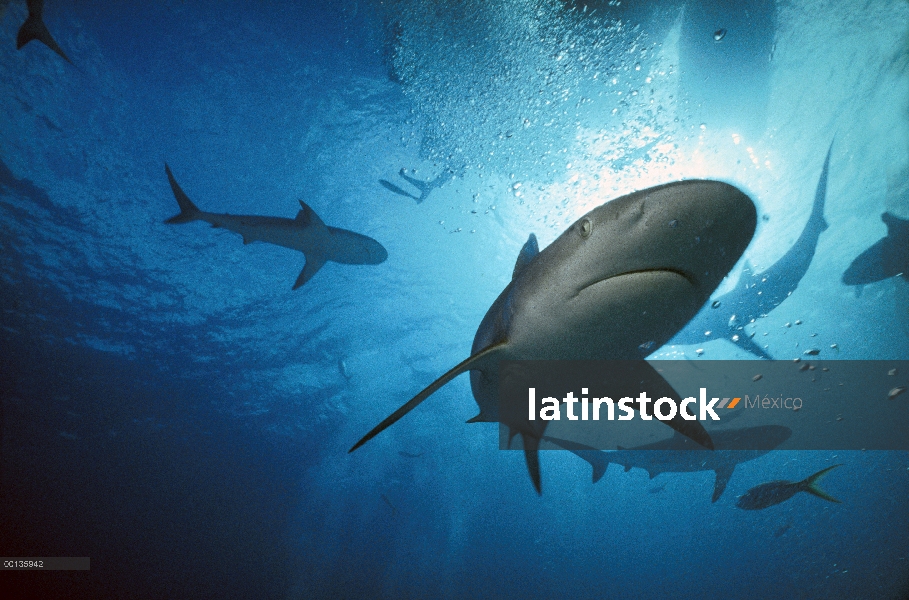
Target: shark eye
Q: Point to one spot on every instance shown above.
(586, 228)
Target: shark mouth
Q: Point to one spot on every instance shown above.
(655, 271)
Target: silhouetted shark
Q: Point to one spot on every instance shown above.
(776, 492)
(634, 270)
(424, 186)
(306, 233)
(680, 455)
(35, 29)
(756, 294)
(888, 257)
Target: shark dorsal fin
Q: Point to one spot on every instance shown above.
(528, 252)
(477, 361)
(894, 224)
(307, 217)
(747, 269)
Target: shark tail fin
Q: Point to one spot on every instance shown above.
(474, 362)
(188, 210)
(35, 29)
(810, 485)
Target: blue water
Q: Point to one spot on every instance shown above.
(171, 409)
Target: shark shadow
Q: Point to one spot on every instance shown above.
(756, 294)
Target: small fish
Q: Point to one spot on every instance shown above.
(394, 510)
(895, 392)
(812, 352)
(409, 454)
(775, 492)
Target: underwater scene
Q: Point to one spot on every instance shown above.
(261, 261)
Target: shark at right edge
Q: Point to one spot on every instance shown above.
(756, 294)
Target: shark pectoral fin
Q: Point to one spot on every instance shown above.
(313, 264)
(595, 458)
(528, 252)
(655, 383)
(307, 217)
(746, 343)
(723, 475)
(810, 485)
(476, 361)
(188, 210)
(532, 456)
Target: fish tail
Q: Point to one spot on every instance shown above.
(810, 485)
(188, 210)
(35, 29)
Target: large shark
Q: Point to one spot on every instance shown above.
(756, 294)
(680, 455)
(35, 29)
(631, 272)
(306, 233)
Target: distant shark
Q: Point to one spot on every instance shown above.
(888, 257)
(306, 233)
(35, 29)
(756, 294)
(632, 271)
(425, 187)
(680, 455)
